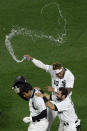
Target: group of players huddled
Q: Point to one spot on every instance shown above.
(44, 108)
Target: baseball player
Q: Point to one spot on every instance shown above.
(38, 112)
(64, 108)
(61, 77)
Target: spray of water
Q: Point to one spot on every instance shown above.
(60, 37)
(9, 46)
(35, 34)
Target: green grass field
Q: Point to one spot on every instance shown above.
(42, 16)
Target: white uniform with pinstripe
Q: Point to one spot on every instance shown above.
(66, 81)
(67, 115)
(36, 106)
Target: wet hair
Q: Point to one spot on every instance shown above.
(20, 79)
(25, 87)
(64, 91)
(57, 66)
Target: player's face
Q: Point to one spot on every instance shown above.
(61, 74)
(27, 95)
(59, 95)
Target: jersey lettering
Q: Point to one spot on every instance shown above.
(34, 106)
(56, 82)
(64, 83)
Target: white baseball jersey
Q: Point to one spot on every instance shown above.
(66, 111)
(67, 81)
(66, 114)
(36, 104)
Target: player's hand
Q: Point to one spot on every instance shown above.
(27, 119)
(47, 96)
(50, 89)
(39, 94)
(37, 88)
(28, 57)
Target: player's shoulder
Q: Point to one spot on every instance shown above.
(37, 98)
(36, 90)
(68, 73)
(67, 101)
(49, 68)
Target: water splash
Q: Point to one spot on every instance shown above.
(35, 34)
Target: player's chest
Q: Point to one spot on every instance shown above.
(32, 105)
(59, 82)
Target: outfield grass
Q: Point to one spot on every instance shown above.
(72, 53)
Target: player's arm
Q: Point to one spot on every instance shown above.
(37, 63)
(47, 101)
(50, 105)
(42, 115)
(51, 89)
(61, 106)
(47, 96)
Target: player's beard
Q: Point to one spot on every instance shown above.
(59, 99)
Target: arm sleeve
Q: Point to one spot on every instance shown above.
(42, 115)
(40, 64)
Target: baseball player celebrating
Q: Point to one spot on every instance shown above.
(64, 108)
(38, 112)
(61, 77)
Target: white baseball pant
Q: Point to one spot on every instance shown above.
(51, 115)
(61, 126)
(38, 126)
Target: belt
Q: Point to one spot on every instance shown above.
(38, 120)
